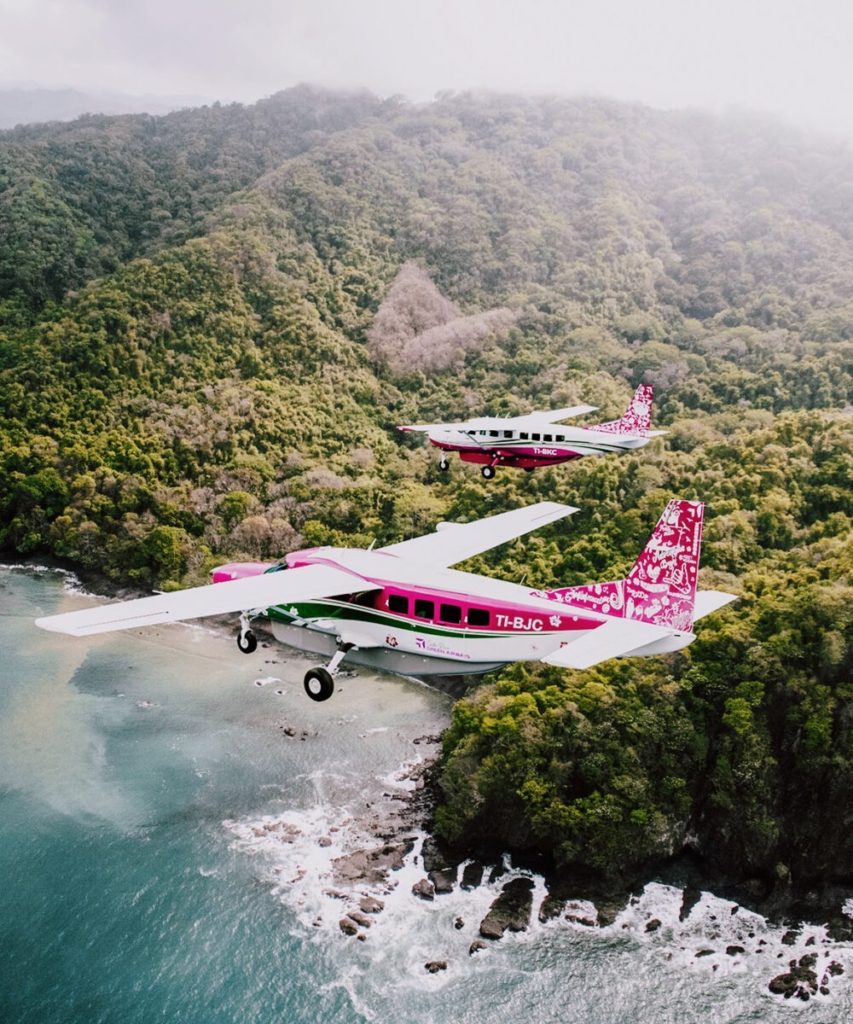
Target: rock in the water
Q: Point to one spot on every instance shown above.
(734, 950)
(799, 981)
(476, 946)
(443, 881)
(705, 952)
(459, 924)
(424, 889)
(510, 911)
(359, 918)
(472, 875)
(347, 926)
(790, 937)
(440, 868)
(550, 908)
(434, 966)
(371, 867)
(498, 871)
(371, 905)
(653, 925)
(689, 898)
(434, 856)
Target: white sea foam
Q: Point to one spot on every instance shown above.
(267, 680)
(716, 939)
(71, 582)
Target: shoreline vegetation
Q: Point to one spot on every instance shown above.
(210, 323)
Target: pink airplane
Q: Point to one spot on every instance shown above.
(538, 438)
(402, 609)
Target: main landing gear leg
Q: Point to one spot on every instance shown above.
(246, 639)
(319, 683)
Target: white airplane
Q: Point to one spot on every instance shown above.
(539, 438)
(402, 609)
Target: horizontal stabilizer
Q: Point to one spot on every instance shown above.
(610, 640)
(252, 592)
(455, 542)
(708, 601)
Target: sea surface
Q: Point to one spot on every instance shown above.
(170, 811)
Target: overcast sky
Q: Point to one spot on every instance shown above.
(789, 57)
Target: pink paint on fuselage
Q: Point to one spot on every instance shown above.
(238, 571)
(504, 617)
(528, 457)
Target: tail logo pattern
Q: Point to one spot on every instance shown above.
(661, 587)
(638, 415)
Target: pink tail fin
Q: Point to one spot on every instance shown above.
(638, 415)
(661, 586)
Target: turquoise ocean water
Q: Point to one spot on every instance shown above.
(160, 857)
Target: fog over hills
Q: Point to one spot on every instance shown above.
(30, 105)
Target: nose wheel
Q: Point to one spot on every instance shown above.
(443, 464)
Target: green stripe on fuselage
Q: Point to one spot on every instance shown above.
(308, 610)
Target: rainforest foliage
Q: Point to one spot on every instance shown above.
(210, 323)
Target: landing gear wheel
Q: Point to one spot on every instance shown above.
(319, 684)
(247, 642)
(488, 472)
(444, 465)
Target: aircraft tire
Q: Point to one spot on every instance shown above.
(488, 472)
(319, 684)
(444, 465)
(247, 642)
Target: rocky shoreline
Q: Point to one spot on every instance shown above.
(395, 858)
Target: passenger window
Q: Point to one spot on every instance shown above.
(424, 609)
(546, 437)
(524, 437)
(560, 437)
(507, 433)
(398, 603)
(451, 613)
(535, 437)
(494, 433)
(478, 617)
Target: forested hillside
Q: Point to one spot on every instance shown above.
(210, 323)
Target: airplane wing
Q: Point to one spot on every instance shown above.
(555, 415)
(531, 420)
(615, 638)
(425, 427)
(454, 542)
(246, 594)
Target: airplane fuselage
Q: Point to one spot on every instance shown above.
(527, 449)
(422, 629)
